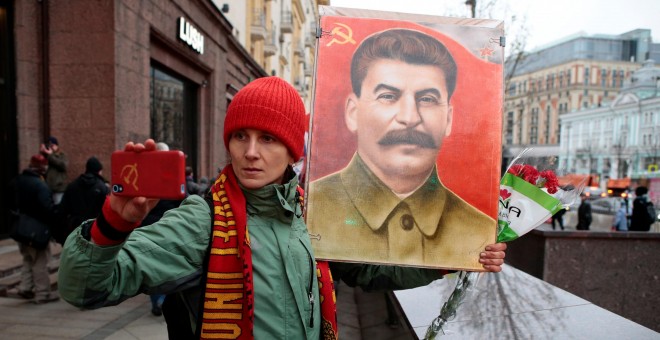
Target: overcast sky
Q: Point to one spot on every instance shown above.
(547, 21)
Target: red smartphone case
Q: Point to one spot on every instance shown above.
(152, 174)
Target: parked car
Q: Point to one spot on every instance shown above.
(594, 193)
(603, 211)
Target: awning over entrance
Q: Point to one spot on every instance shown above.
(620, 183)
(577, 180)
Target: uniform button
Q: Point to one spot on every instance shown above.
(407, 222)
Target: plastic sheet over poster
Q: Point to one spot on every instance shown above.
(405, 139)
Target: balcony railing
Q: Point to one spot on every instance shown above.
(286, 23)
(270, 46)
(258, 27)
(310, 41)
(298, 49)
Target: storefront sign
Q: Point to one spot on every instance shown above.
(191, 36)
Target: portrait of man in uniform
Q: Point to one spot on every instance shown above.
(388, 204)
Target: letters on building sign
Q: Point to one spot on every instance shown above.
(191, 36)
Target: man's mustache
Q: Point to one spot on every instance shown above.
(408, 136)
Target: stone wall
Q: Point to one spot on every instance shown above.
(619, 271)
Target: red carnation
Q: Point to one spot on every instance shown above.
(530, 174)
(551, 181)
(516, 169)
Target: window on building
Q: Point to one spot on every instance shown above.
(603, 77)
(533, 135)
(521, 122)
(558, 133)
(552, 81)
(586, 75)
(594, 165)
(547, 124)
(174, 111)
(620, 78)
(534, 125)
(509, 128)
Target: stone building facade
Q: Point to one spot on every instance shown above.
(97, 74)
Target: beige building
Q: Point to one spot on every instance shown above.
(580, 71)
(535, 100)
(280, 35)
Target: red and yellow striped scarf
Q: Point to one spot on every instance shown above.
(228, 297)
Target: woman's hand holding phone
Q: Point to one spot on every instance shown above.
(134, 209)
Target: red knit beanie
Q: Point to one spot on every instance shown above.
(269, 104)
(39, 163)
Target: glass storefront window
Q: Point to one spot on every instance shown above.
(173, 101)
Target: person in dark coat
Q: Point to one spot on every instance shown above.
(32, 197)
(642, 218)
(558, 218)
(83, 199)
(193, 187)
(584, 214)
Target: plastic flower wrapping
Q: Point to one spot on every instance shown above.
(528, 197)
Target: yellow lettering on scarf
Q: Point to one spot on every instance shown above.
(225, 285)
(220, 301)
(225, 276)
(223, 316)
(227, 327)
(225, 235)
(228, 251)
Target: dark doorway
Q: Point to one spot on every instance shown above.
(8, 131)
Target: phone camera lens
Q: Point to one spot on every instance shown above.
(117, 188)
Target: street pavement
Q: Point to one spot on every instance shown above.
(360, 316)
(132, 319)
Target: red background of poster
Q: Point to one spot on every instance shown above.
(469, 160)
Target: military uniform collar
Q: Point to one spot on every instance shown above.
(375, 201)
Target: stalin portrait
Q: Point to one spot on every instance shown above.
(388, 204)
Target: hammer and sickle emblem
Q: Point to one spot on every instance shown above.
(129, 173)
(341, 31)
(315, 236)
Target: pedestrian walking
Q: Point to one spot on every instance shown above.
(584, 213)
(643, 212)
(34, 199)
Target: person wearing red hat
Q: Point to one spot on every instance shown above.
(237, 263)
(33, 198)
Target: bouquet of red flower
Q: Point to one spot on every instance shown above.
(528, 197)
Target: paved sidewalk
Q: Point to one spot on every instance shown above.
(360, 315)
(59, 320)
(132, 319)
